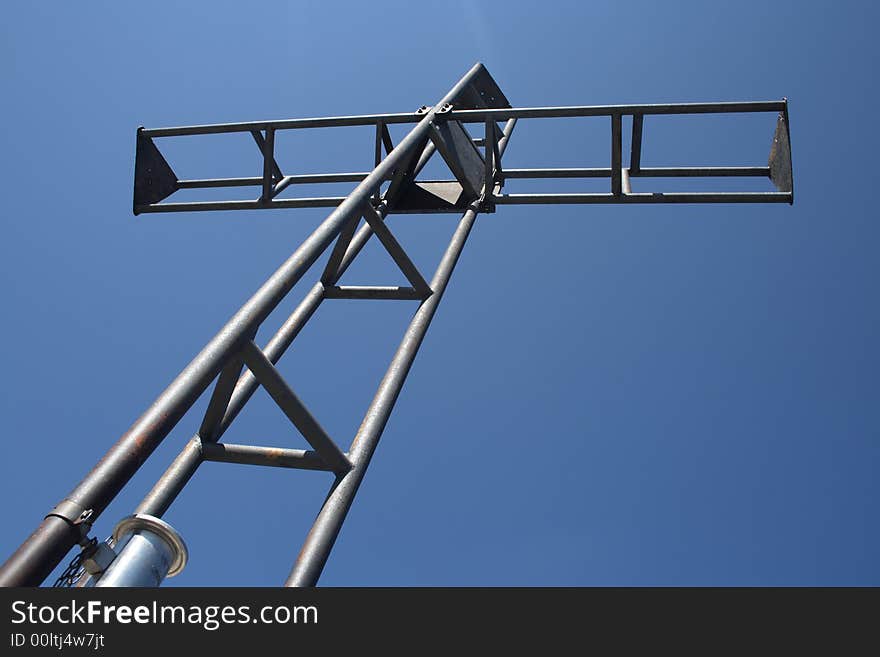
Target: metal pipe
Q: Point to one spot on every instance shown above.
(656, 197)
(505, 137)
(701, 172)
(472, 116)
(276, 457)
(374, 292)
(501, 147)
(430, 148)
(480, 115)
(635, 156)
(601, 172)
(43, 550)
(616, 154)
(304, 179)
(219, 182)
(152, 550)
(652, 172)
(311, 179)
(489, 158)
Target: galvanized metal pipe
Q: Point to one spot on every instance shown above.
(635, 156)
(172, 481)
(285, 124)
(151, 551)
(275, 457)
(376, 292)
(274, 204)
(616, 154)
(53, 538)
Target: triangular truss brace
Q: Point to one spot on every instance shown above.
(419, 289)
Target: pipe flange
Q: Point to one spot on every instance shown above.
(157, 526)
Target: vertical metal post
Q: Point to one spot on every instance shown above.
(380, 126)
(616, 146)
(489, 157)
(635, 158)
(268, 161)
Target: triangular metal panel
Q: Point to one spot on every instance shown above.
(780, 156)
(459, 152)
(482, 93)
(154, 179)
(430, 197)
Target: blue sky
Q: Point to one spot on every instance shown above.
(681, 395)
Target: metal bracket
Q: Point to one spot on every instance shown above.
(74, 514)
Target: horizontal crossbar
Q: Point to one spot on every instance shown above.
(305, 179)
(477, 115)
(276, 457)
(644, 198)
(653, 172)
(374, 292)
(201, 206)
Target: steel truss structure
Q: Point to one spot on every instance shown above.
(237, 366)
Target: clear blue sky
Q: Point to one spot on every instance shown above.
(680, 395)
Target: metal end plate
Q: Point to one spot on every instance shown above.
(143, 521)
(430, 197)
(154, 178)
(482, 93)
(780, 156)
(464, 160)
